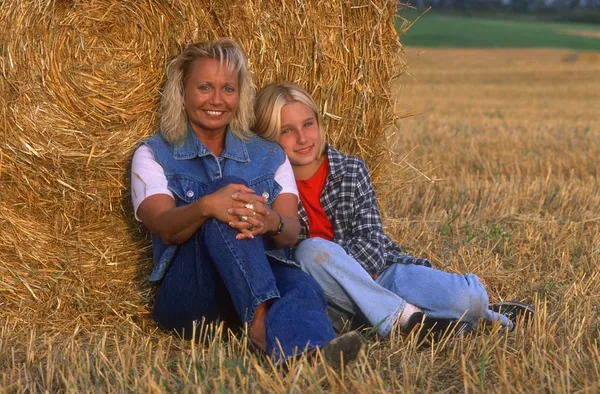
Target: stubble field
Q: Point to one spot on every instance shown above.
(508, 143)
(499, 178)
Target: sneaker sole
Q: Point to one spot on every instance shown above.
(343, 350)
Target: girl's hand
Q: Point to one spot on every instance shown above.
(250, 213)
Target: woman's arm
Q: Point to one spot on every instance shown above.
(286, 207)
(155, 206)
(267, 218)
(176, 225)
(283, 209)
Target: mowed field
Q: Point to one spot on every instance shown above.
(437, 29)
(508, 144)
(498, 176)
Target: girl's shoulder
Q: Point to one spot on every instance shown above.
(344, 164)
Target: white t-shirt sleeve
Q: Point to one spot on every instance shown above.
(147, 177)
(285, 177)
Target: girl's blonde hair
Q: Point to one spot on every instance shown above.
(173, 118)
(269, 103)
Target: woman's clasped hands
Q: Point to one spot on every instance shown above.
(243, 210)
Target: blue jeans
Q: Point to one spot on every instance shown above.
(350, 289)
(215, 276)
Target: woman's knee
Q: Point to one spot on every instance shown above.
(215, 232)
(224, 181)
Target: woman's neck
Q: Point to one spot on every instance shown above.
(213, 140)
(307, 171)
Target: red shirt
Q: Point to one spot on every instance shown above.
(310, 194)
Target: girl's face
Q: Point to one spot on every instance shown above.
(300, 136)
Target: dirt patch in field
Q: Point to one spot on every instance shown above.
(582, 33)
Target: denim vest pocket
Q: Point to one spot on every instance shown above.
(266, 186)
(186, 189)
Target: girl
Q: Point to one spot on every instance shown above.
(361, 270)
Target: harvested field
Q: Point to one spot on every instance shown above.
(510, 138)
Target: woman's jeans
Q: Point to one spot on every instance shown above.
(216, 276)
(350, 289)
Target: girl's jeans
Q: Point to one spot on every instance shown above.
(221, 277)
(350, 289)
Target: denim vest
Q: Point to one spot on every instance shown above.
(191, 167)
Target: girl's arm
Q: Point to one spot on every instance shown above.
(367, 235)
(368, 242)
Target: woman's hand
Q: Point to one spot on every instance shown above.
(284, 208)
(251, 213)
(220, 202)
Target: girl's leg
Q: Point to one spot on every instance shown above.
(439, 294)
(297, 321)
(347, 285)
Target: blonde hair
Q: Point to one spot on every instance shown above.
(173, 118)
(269, 103)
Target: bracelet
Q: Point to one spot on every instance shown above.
(279, 227)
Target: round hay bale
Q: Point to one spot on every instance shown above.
(79, 88)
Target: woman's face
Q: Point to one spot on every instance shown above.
(211, 96)
(300, 136)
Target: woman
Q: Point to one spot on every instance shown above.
(345, 249)
(213, 196)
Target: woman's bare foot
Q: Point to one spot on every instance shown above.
(258, 332)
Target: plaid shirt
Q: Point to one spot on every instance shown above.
(349, 201)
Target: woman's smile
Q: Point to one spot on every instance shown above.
(214, 113)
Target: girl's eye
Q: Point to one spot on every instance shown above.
(285, 131)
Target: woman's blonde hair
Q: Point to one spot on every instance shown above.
(173, 118)
(269, 103)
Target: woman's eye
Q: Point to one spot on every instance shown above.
(308, 124)
(204, 88)
(229, 89)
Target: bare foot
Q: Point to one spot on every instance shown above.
(258, 332)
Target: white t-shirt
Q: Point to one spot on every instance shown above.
(148, 177)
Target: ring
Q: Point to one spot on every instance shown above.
(251, 228)
(253, 214)
(244, 218)
(250, 206)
